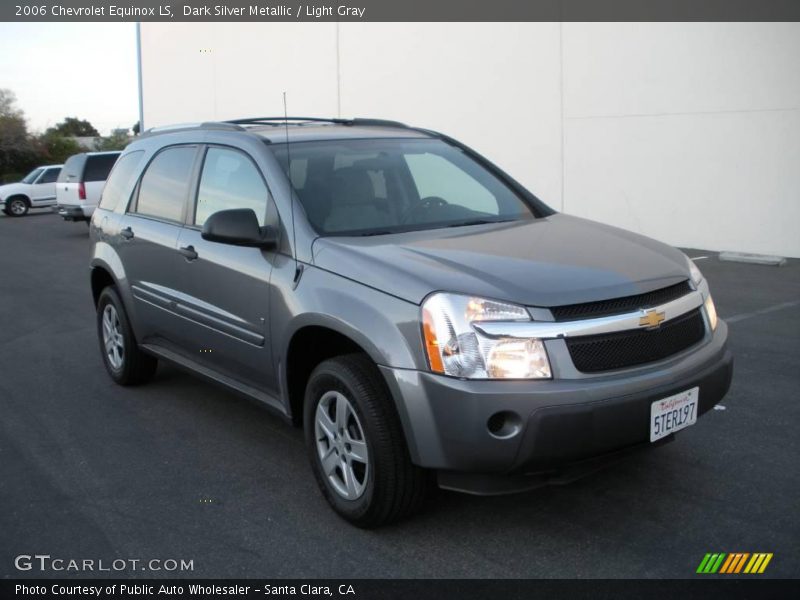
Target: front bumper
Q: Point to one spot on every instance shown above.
(560, 424)
(71, 212)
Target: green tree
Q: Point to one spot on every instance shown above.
(137, 128)
(74, 126)
(17, 153)
(116, 141)
(8, 101)
(55, 149)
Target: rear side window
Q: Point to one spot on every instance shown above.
(120, 179)
(99, 166)
(73, 168)
(50, 176)
(165, 184)
(230, 180)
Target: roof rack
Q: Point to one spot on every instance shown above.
(280, 120)
(357, 122)
(203, 125)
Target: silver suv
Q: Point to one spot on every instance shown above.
(420, 314)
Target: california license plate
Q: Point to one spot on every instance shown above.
(673, 414)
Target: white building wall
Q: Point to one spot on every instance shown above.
(689, 133)
(686, 132)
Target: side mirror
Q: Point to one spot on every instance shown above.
(238, 227)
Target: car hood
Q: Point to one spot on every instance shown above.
(551, 261)
(13, 188)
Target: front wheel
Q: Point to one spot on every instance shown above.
(356, 445)
(17, 207)
(124, 361)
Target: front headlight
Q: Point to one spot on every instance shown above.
(711, 311)
(454, 347)
(694, 272)
(708, 303)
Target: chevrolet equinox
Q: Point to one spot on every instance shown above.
(422, 316)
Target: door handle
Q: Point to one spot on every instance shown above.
(189, 252)
(127, 233)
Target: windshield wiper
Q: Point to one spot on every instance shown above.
(478, 222)
(381, 232)
(457, 224)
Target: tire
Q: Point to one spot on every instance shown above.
(17, 206)
(386, 486)
(124, 361)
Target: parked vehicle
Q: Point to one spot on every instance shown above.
(417, 311)
(81, 183)
(36, 190)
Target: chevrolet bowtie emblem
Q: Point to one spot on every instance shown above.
(651, 318)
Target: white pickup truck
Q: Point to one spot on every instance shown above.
(36, 190)
(81, 182)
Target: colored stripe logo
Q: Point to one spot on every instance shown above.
(734, 563)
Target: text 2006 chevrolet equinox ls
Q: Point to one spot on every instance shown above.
(422, 315)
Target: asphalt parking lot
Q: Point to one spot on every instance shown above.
(181, 469)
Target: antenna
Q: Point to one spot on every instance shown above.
(298, 269)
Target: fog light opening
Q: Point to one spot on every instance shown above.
(504, 425)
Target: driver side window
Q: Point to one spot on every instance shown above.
(230, 180)
(436, 176)
(49, 176)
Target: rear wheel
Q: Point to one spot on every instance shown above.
(17, 206)
(123, 359)
(356, 445)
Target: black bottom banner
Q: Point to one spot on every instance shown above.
(401, 589)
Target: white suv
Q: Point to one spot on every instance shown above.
(81, 182)
(36, 190)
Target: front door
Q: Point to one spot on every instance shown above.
(228, 287)
(43, 191)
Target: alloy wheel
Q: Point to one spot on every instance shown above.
(113, 341)
(17, 207)
(341, 445)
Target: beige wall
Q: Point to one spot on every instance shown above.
(689, 133)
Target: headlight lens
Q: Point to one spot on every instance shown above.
(711, 311)
(454, 347)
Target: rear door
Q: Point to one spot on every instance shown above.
(43, 191)
(147, 240)
(228, 287)
(69, 180)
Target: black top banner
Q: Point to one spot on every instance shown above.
(401, 10)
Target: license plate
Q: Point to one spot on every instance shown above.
(673, 414)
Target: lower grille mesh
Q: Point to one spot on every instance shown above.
(604, 352)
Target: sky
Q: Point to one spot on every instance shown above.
(85, 70)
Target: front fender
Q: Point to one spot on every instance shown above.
(386, 327)
(13, 189)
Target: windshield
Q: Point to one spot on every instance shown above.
(31, 177)
(372, 187)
